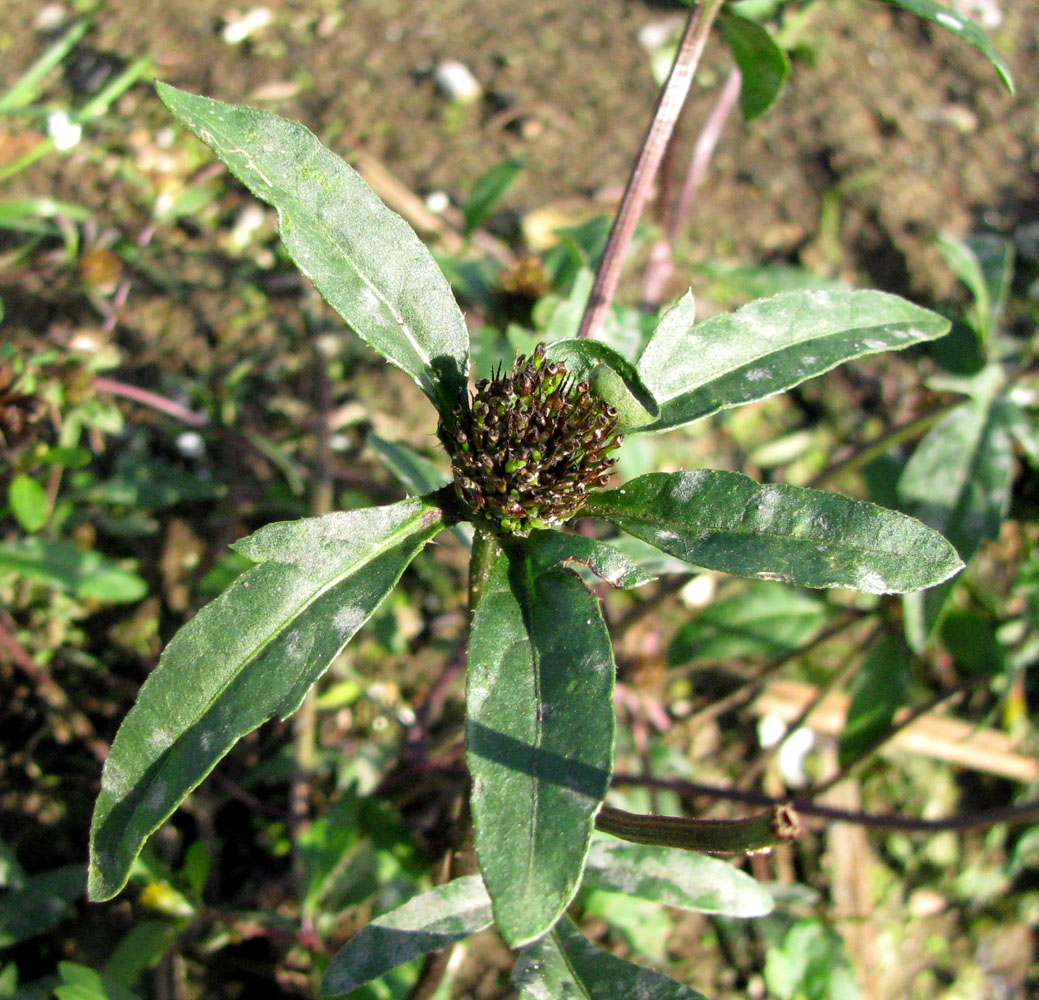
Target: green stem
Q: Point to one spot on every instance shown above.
(711, 836)
(486, 550)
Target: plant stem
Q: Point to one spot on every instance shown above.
(661, 262)
(672, 97)
(712, 836)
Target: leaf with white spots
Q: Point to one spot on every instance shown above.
(674, 877)
(425, 923)
(565, 965)
(539, 737)
(961, 26)
(696, 369)
(725, 521)
(248, 656)
(364, 259)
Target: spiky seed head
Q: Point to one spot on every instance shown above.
(530, 445)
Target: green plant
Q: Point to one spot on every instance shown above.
(531, 449)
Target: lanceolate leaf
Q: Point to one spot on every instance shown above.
(770, 345)
(763, 64)
(425, 923)
(539, 738)
(728, 522)
(958, 482)
(247, 656)
(674, 877)
(363, 258)
(961, 26)
(565, 965)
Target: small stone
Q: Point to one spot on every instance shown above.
(239, 27)
(456, 82)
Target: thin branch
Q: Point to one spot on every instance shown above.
(669, 105)
(1024, 812)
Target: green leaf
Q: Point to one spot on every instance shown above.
(84, 574)
(364, 259)
(565, 965)
(247, 656)
(958, 482)
(766, 620)
(985, 264)
(674, 877)
(488, 191)
(141, 949)
(425, 923)
(728, 522)
(763, 64)
(80, 982)
(29, 503)
(961, 26)
(539, 738)
(39, 904)
(880, 690)
(552, 548)
(770, 345)
(611, 376)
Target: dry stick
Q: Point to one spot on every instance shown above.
(661, 262)
(1023, 812)
(156, 402)
(672, 97)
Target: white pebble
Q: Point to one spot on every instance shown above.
(456, 81)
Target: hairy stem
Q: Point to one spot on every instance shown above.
(485, 551)
(672, 97)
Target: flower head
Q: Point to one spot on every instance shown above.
(530, 445)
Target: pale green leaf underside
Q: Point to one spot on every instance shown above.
(539, 738)
(770, 345)
(725, 521)
(364, 259)
(674, 877)
(425, 923)
(247, 656)
(565, 965)
(958, 482)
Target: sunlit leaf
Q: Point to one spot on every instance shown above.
(726, 521)
(249, 655)
(694, 370)
(539, 738)
(29, 502)
(364, 259)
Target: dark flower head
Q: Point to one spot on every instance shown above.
(530, 446)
